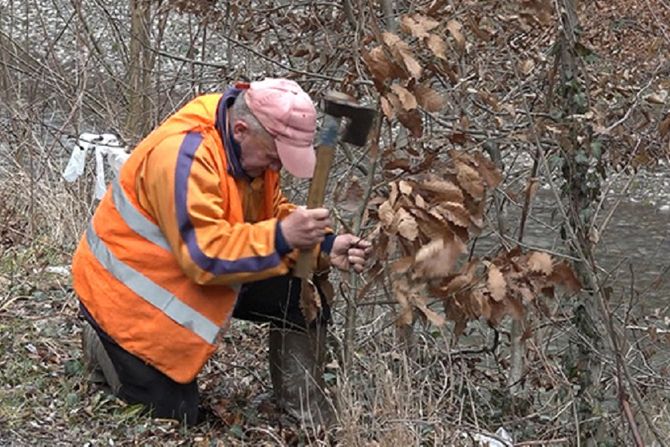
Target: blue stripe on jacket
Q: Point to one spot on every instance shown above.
(215, 266)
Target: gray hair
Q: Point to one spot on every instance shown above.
(241, 111)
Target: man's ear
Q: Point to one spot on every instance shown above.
(239, 129)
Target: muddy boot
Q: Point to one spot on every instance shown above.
(97, 361)
(296, 369)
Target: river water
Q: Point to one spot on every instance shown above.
(634, 248)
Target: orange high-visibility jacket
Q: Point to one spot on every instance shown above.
(175, 235)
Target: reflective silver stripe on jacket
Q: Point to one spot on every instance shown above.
(154, 294)
(135, 220)
(150, 291)
(140, 224)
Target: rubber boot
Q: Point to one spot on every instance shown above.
(296, 370)
(97, 362)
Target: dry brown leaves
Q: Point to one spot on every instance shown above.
(505, 286)
(425, 224)
(455, 27)
(664, 127)
(427, 220)
(398, 68)
(310, 300)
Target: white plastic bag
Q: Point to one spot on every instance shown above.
(503, 439)
(75, 166)
(103, 145)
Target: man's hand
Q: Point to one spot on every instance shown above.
(303, 228)
(349, 252)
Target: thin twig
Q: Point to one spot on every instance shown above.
(259, 54)
(635, 103)
(350, 321)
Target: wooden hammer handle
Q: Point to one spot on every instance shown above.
(317, 194)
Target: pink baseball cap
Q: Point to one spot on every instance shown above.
(289, 116)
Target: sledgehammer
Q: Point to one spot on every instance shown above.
(340, 109)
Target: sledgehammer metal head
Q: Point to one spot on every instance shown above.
(358, 118)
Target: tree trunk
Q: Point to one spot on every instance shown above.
(582, 361)
(138, 121)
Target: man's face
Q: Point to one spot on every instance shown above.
(259, 151)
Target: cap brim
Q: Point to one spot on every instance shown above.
(298, 161)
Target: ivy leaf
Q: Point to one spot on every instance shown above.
(587, 53)
(596, 149)
(581, 158)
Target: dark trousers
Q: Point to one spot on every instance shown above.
(275, 300)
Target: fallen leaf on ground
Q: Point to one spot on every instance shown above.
(407, 99)
(454, 27)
